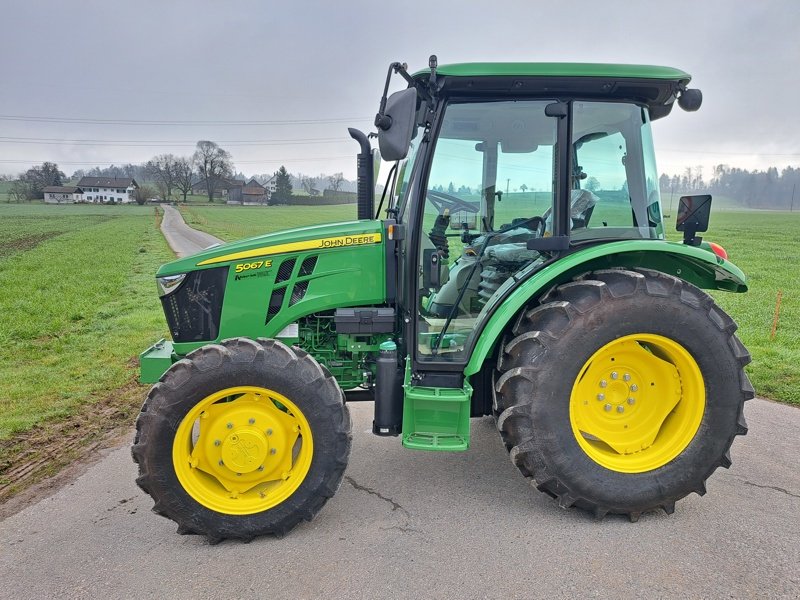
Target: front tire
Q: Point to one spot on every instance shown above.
(241, 439)
(622, 391)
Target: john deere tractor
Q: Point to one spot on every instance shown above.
(516, 266)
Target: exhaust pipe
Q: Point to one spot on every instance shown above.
(364, 169)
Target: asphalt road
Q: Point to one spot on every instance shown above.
(411, 524)
(428, 525)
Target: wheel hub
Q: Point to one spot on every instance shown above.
(637, 402)
(245, 450)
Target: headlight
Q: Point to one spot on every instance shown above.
(170, 283)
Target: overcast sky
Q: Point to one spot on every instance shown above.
(295, 75)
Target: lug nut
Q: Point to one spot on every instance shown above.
(273, 450)
(261, 467)
(230, 425)
(238, 474)
(620, 409)
(601, 396)
(269, 431)
(221, 463)
(607, 407)
(251, 421)
(603, 383)
(217, 442)
(626, 377)
(614, 375)
(634, 387)
(631, 401)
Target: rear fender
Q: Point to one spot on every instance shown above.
(699, 267)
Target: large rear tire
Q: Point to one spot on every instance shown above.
(622, 391)
(241, 439)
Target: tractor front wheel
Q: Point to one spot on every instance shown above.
(241, 439)
(622, 391)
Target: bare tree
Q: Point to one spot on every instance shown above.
(184, 172)
(213, 163)
(19, 191)
(308, 183)
(335, 181)
(144, 193)
(162, 169)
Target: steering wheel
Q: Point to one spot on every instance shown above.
(442, 201)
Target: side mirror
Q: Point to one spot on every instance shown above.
(690, 100)
(694, 213)
(396, 124)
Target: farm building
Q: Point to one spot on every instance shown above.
(251, 193)
(63, 194)
(107, 189)
(221, 188)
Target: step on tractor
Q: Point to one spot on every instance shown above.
(516, 267)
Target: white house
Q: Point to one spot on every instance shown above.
(106, 189)
(63, 194)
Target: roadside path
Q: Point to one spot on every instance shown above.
(184, 240)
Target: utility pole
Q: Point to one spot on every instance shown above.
(507, 182)
(791, 206)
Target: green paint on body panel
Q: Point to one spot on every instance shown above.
(696, 265)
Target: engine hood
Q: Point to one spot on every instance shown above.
(324, 237)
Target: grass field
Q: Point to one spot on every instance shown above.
(765, 244)
(78, 304)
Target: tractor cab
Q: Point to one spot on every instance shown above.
(508, 167)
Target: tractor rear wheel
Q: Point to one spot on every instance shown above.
(622, 391)
(241, 439)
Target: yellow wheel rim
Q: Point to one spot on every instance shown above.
(242, 450)
(637, 403)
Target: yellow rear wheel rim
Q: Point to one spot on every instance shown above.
(242, 450)
(637, 403)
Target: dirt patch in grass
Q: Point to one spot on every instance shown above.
(43, 451)
(25, 243)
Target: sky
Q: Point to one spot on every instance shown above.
(277, 83)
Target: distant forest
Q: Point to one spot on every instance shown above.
(751, 189)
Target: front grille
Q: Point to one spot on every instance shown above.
(275, 302)
(298, 292)
(308, 265)
(285, 270)
(193, 311)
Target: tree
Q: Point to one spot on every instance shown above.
(335, 181)
(213, 163)
(524, 188)
(184, 173)
(18, 191)
(144, 193)
(38, 178)
(283, 187)
(308, 183)
(163, 169)
(592, 184)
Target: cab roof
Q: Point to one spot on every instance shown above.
(557, 69)
(653, 86)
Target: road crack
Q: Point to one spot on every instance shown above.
(771, 487)
(363, 488)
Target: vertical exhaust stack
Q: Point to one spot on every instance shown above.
(366, 185)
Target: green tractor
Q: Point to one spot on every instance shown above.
(521, 272)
